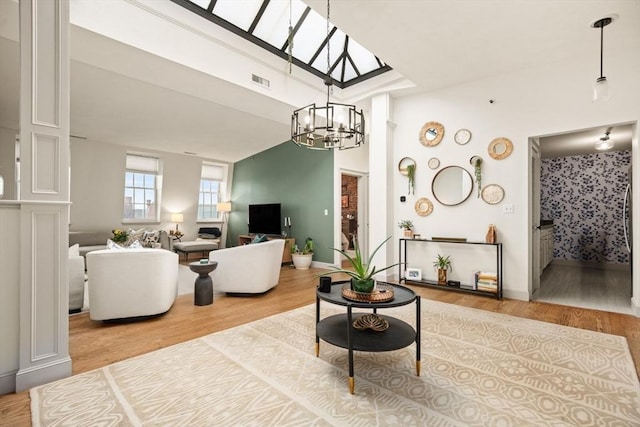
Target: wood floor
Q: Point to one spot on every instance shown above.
(587, 287)
(93, 345)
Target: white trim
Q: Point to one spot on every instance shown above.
(8, 382)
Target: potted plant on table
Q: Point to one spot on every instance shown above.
(362, 272)
(407, 226)
(302, 258)
(442, 264)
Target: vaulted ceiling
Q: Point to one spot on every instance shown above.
(432, 44)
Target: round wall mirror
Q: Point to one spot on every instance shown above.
(431, 134)
(452, 185)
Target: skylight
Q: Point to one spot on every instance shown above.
(266, 23)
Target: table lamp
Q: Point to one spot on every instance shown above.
(177, 218)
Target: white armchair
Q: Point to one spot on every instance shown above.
(126, 283)
(248, 269)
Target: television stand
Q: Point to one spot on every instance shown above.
(245, 239)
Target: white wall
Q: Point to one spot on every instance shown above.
(7, 163)
(97, 188)
(529, 103)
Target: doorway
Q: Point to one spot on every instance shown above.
(583, 261)
(353, 213)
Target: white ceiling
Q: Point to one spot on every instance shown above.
(583, 142)
(434, 44)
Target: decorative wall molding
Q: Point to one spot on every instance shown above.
(45, 283)
(45, 67)
(45, 164)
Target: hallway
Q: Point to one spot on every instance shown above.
(607, 290)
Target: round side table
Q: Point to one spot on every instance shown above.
(203, 287)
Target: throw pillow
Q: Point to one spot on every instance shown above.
(205, 232)
(207, 236)
(134, 235)
(113, 245)
(150, 239)
(259, 238)
(74, 250)
(135, 245)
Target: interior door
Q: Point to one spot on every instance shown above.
(534, 219)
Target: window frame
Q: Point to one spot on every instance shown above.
(157, 187)
(222, 186)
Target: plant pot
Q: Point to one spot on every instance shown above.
(301, 262)
(408, 233)
(442, 276)
(364, 286)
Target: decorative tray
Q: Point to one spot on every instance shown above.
(381, 293)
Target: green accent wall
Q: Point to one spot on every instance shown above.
(301, 180)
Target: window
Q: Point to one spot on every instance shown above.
(211, 185)
(141, 185)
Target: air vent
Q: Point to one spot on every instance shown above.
(260, 80)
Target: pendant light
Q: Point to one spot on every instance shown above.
(601, 86)
(329, 126)
(605, 143)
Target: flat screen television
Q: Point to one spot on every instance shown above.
(265, 219)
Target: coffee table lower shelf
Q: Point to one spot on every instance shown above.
(333, 329)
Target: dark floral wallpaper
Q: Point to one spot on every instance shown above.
(584, 196)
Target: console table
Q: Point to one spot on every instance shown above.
(245, 239)
(404, 262)
(339, 330)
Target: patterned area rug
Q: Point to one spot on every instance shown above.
(478, 369)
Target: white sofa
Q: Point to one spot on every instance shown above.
(248, 269)
(76, 280)
(128, 283)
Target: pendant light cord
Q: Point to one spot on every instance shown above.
(290, 39)
(601, 48)
(328, 42)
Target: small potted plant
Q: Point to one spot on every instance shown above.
(302, 258)
(411, 176)
(476, 162)
(407, 226)
(442, 264)
(362, 272)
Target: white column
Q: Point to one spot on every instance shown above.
(44, 193)
(380, 180)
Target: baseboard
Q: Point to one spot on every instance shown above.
(591, 264)
(42, 374)
(519, 295)
(319, 264)
(8, 383)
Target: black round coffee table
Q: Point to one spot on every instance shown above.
(203, 287)
(339, 330)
